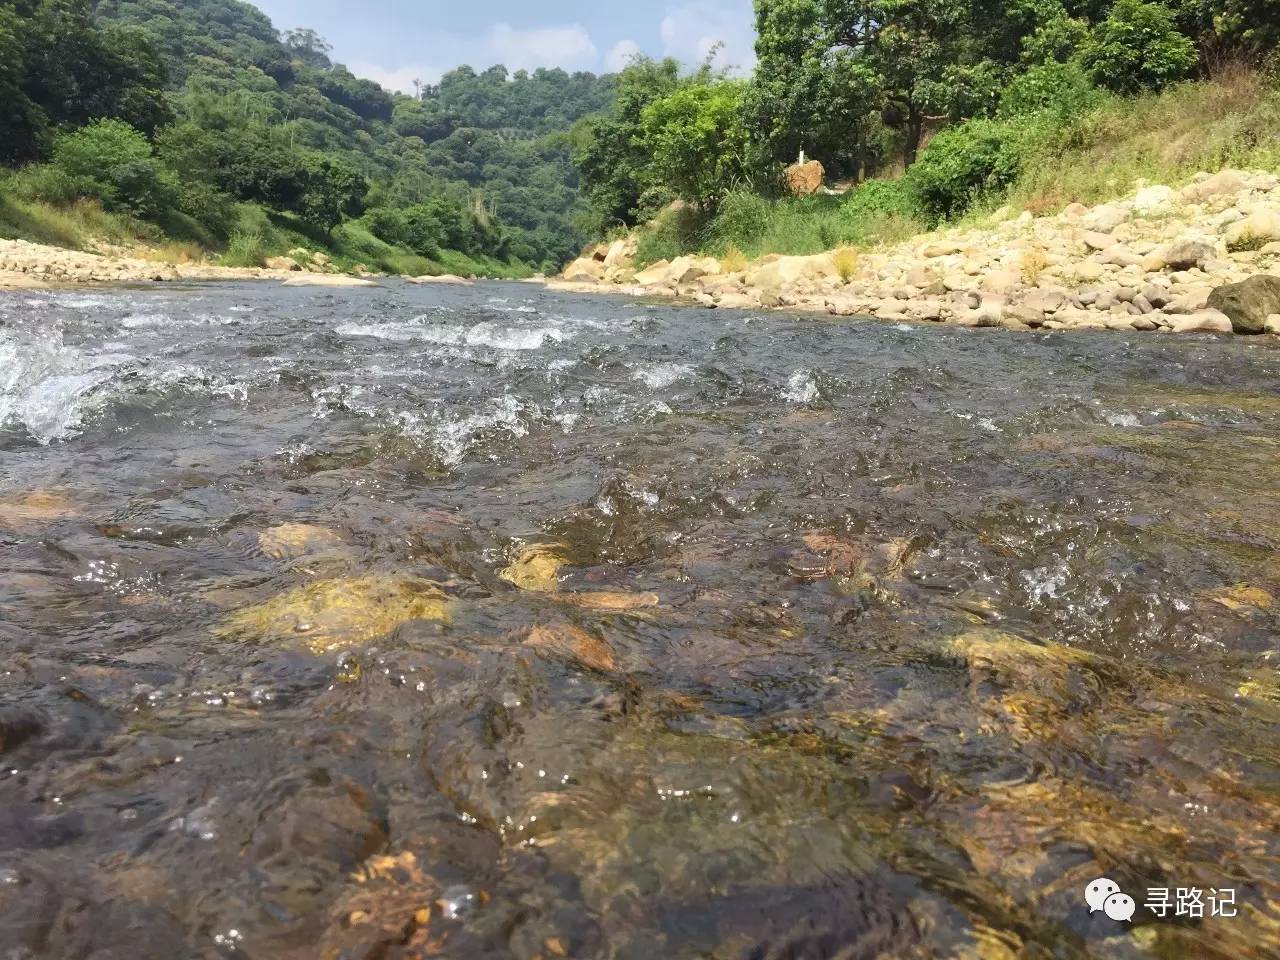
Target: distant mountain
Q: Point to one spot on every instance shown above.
(489, 142)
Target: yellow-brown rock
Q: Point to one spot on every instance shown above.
(296, 540)
(805, 178)
(339, 613)
(536, 567)
(574, 643)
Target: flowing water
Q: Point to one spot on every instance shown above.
(487, 622)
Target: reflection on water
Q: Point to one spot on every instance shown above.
(412, 622)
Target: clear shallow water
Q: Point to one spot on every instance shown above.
(488, 622)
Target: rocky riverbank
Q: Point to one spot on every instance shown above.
(26, 264)
(1205, 257)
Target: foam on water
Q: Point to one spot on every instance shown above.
(662, 374)
(48, 388)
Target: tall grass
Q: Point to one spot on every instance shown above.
(79, 225)
(751, 226)
(1230, 121)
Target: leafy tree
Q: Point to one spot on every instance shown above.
(1064, 89)
(697, 142)
(332, 189)
(1138, 47)
(61, 69)
(308, 46)
(115, 163)
(610, 152)
(811, 93)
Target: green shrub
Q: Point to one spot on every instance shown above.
(963, 162)
(214, 210)
(664, 238)
(741, 216)
(1138, 47)
(44, 182)
(387, 225)
(1061, 89)
(115, 164)
(880, 198)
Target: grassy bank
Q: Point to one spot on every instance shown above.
(255, 235)
(1038, 161)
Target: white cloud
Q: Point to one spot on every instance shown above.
(691, 30)
(620, 55)
(688, 31)
(400, 79)
(569, 47)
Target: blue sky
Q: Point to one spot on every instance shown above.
(397, 41)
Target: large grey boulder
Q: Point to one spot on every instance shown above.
(1248, 303)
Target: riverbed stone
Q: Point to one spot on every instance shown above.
(1203, 321)
(1187, 252)
(1154, 199)
(1249, 302)
(288, 540)
(1205, 186)
(654, 274)
(536, 567)
(339, 613)
(326, 280)
(1104, 218)
(584, 269)
(570, 642)
(1254, 232)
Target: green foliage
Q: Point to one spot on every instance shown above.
(114, 163)
(1064, 89)
(1138, 47)
(964, 162)
(610, 151)
(696, 141)
(332, 189)
(244, 250)
(58, 68)
(882, 200)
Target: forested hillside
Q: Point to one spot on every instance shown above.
(196, 119)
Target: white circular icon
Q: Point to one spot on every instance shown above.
(1119, 906)
(1096, 893)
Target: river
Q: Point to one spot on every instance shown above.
(490, 622)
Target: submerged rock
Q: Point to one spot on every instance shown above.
(573, 643)
(296, 540)
(536, 567)
(333, 614)
(29, 509)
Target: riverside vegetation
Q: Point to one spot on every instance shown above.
(948, 127)
(194, 130)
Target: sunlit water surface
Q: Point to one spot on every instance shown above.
(487, 622)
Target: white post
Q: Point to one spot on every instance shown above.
(801, 156)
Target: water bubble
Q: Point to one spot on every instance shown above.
(457, 902)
